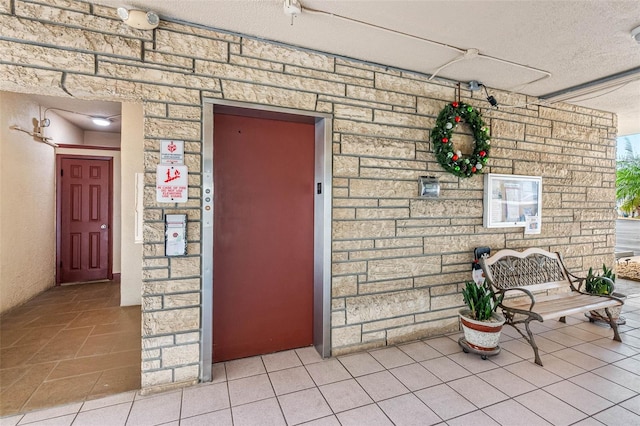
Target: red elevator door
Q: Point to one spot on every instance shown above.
(263, 235)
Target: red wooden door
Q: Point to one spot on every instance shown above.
(263, 236)
(84, 211)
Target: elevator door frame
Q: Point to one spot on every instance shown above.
(322, 223)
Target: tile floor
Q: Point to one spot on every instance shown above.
(587, 379)
(71, 343)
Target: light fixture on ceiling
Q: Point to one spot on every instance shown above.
(474, 85)
(100, 121)
(139, 19)
(292, 7)
(612, 81)
(635, 33)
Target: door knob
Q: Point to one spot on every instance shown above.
(103, 226)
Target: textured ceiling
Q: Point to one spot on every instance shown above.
(573, 41)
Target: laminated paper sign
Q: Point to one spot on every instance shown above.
(172, 184)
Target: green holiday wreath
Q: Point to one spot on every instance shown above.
(454, 161)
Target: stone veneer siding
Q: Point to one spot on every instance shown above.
(398, 260)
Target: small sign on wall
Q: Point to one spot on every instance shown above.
(172, 184)
(171, 152)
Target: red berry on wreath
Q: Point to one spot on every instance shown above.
(445, 140)
(473, 169)
(482, 153)
(455, 157)
(457, 118)
(454, 104)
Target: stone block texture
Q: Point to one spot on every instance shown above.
(398, 260)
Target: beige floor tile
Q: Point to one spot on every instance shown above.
(468, 387)
(304, 406)
(290, 380)
(219, 373)
(512, 413)
(506, 382)
(250, 389)
(114, 415)
(419, 351)
(620, 375)
(560, 367)
(204, 398)
(550, 408)
(367, 415)
(632, 405)
(328, 371)
(533, 373)
(607, 389)
(629, 364)
(520, 348)
(408, 410)
(391, 357)
(561, 338)
(61, 410)
(473, 362)
(281, 360)
(119, 398)
(475, 418)
(445, 402)
(217, 418)
(324, 421)
(618, 416)
(309, 355)
(444, 345)
(245, 367)
(579, 333)
(156, 409)
(617, 347)
(345, 395)
(382, 385)
(445, 369)
(361, 364)
(38, 336)
(580, 359)
(415, 377)
(265, 412)
(588, 402)
(108, 343)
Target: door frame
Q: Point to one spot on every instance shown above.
(322, 223)
(109, 160)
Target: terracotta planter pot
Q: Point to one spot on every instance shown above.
(481, 335)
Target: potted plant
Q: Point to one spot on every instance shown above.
(481, 323)
(604, 285)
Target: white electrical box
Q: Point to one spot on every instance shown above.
(175, 243)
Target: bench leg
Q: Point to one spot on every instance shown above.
(563, 319)
(614, 325)
(532, 342)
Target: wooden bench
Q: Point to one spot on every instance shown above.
(537, 286)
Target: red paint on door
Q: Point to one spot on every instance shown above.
(263, 236)
(84, 218)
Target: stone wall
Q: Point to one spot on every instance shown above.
(398, 260)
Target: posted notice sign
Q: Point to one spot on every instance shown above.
(172, 184)
(171, 152)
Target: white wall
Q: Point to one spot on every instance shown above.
(27, 205)
(62, 131)
(131, 150)
(94, 138)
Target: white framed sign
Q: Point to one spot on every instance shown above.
(513, 201)
(172, 184)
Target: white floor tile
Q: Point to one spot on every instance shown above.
(304, 406)
(328, 371)
(345, 395)
(250, 389)
(204, 398)
(415, 377)
(445, 402)
(217, 418)
(281, 360)
(112, 415)
(407, 410)
(290, 380)
(155, 409)
(382, 385)
(367, 415)
(361, 364)
(265, 413)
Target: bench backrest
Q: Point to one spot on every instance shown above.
(534, 268)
